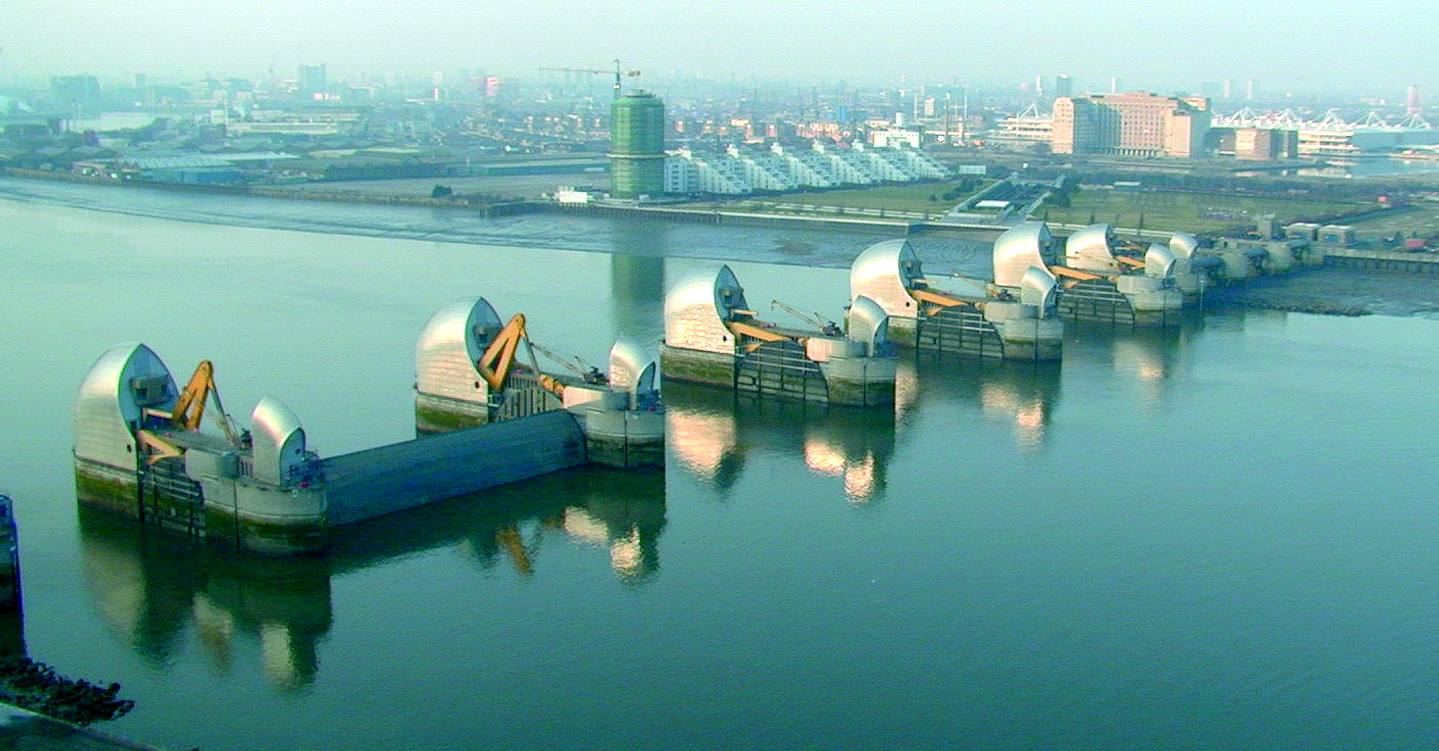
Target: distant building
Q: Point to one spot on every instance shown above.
(311, 81)
(81, 92)
(1022, 130)
(1249, 90)
(1412, 101)
(894, 137)
(1255, 143)
(637, 151)
(316, 123)
(740, 171)
(1131, 124)
(1063, 86)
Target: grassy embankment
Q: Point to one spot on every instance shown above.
(912, 201)
(1192, 212)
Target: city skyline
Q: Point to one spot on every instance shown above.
(1161, 51)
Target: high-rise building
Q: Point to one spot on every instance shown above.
(1133, 124)
(1411, 100)
(76, 92)
(1063, 85)
(1114, 85)
(637, 149)
(1039, 86)
(1249, 90)
(311, 80)
(1227, 90)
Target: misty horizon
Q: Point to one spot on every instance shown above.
(1285, 51)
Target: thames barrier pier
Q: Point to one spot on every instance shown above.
(467, 375)
(712, 337)
(139, 451)
(1012, 318)
(1105, 287)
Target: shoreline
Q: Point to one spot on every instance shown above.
(1329, 290)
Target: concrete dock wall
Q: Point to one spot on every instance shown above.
(382, 480)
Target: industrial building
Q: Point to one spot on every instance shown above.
(82, 92)
(637, 153)
(1333, 136)
(1130, 124)
(1254, 144)
(740, 171)
(1023, 130)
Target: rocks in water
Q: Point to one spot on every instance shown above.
(37, 687)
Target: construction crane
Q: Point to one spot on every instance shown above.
(574, 364)
(619, 73)
(188, 413)
(498, 360)
(816, 320)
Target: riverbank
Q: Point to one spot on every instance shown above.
(659, 233)
(1338, 291)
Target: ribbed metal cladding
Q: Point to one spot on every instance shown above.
(106, 406)
(697, 308)
(637, 150)
(1091, 249)
(885, 272)
(450, 345)
(1018, 249)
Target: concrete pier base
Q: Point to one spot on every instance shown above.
(109, 488)
(262, 519)
(1033, 340)
(438, 414)
(696, 366)
(860, 382)
(623, 439)
(903, 331)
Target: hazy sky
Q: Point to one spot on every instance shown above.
(1311, 46)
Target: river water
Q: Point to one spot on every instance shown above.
(1220, 537)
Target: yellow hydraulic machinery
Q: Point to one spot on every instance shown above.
(187, 415)
(498, 361)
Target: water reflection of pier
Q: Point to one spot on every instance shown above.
(712, 433)
(1024, 394)
(153, 590)
(1149, 361)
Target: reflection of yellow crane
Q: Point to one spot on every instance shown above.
(618, 72)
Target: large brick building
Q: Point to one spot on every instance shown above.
(1131, 124)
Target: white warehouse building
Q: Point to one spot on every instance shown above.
(738, 171)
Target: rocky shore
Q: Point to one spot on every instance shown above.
(1341, 292)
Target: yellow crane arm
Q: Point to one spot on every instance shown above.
(551, 384)
(938, 298)
(190, 407)
(498, 360)
(1082, 276)
(756, 332)
(159, 448)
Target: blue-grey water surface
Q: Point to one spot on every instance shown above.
(1221, 537)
